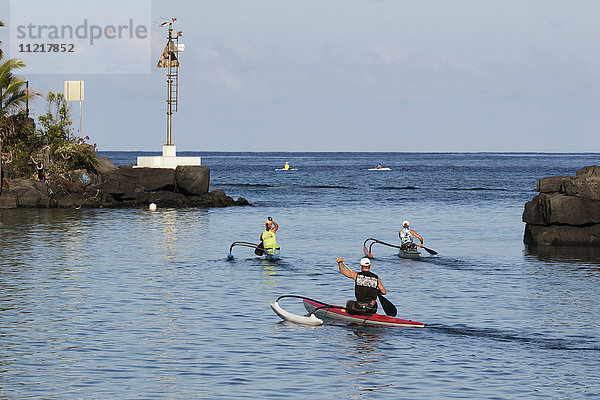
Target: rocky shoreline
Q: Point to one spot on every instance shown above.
(111, 187)
(566, 212)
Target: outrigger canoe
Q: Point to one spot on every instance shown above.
(322, 310)
(259, 250)
(319, 311)
(409, 253)
(271, 254)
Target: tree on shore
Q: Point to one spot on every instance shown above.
(13, 98)
(37, 152)
(1, 53)
(13, 92)
(67, 152)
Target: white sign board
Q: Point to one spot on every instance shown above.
(74, 90)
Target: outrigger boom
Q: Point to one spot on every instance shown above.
(243, 244)
(270, 254)
(368, 251)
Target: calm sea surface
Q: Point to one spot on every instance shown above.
(129, 303)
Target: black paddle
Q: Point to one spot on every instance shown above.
(430, 251)
(259, 251)
(387, 305)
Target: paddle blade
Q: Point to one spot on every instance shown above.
(259, 249)
(230, 256)
(367, 252)
(430, 251)
(387, 305)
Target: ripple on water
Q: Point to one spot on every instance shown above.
(128, 303)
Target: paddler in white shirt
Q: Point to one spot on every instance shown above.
(366, 287)
(406, 236)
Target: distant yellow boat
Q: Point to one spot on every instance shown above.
(286, 167)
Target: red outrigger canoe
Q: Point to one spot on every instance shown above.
(322, 310)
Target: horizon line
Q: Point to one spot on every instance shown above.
(354, 151)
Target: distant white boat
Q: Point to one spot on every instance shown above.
(380, 169)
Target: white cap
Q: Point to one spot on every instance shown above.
(365, 262)
(406, 223)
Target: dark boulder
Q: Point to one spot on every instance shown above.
(559, 209)
(192, 180)
(562, 235)
(150, 179)
(23, 192)
(566, 212)
(105, 165)
(8, 199)
(80, 179)
(112, 186)
(116, 185)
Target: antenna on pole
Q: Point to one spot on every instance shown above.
(170, 60)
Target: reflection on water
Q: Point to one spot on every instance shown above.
(163, 222)
(168, 225)
(135, 304)
(268, 273)
(564, 254)
(364, 357)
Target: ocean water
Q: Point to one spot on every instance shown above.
(129, 303)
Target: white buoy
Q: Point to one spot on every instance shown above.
(152, 207)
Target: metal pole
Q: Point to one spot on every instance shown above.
(27, 100)
(170, 83)
(80, 118)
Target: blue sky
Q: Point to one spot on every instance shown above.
(358, 75)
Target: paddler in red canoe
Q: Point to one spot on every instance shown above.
(366, 287)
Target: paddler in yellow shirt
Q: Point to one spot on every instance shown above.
(267, 238)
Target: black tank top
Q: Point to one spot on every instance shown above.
(365, 288)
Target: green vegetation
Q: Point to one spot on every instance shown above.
(13, 95)
(1, 53)
(50, 147)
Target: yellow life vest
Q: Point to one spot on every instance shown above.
(286, 166)
(268, 239)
